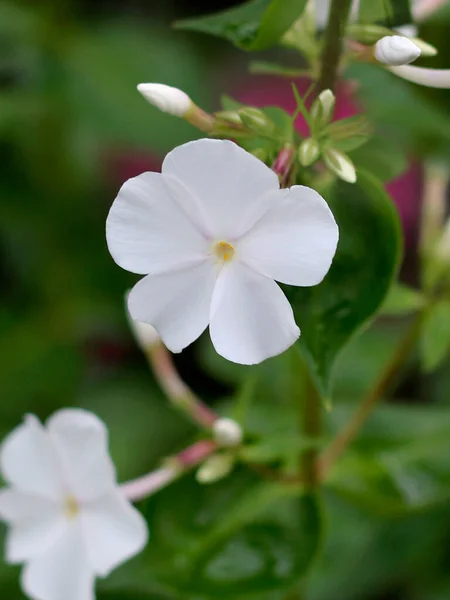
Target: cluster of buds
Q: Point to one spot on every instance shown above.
(329, 140)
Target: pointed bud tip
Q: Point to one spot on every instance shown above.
(168, 99)
(396, 50)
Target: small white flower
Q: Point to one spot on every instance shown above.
(69, 521)
(212, 232)
(168, 99)
(145, 335)
(227, 432)
(396, 50)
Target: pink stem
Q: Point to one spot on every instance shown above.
(190, 457)
(175, 388)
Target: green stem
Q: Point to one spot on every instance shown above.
(386, 380)
(331, 55)
(307, 399)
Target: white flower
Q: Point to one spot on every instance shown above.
(168, 99)
(212, 232)
(69, 521)
(396, 50)
(227, 432)
(145, 335)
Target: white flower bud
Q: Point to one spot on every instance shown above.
(408, 30)
(168, 99)
(308, 152)
(227, 432)
(340, 164)
(396, 50)
(322, 110)
(214, 468)
(145, 335)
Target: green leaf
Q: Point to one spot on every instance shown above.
(435, 339)
(254, 25)
(382, 157)
(260, 67)
(398, 464)
(402, 300)
(389, 12)
(233, 538)
(361, 274)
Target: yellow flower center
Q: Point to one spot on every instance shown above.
(71, 508)
(224, 251)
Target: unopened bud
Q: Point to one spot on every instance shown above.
(409, 30)
(308, 152)
(229, 116)
(168, 99)
(145, 335)
(256, 120)
(340, 164)
(396, 50)
(215, 467)
(227, 432)
(322, 110)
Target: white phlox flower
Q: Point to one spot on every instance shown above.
(396, 50)
(68, 520)
(211, 233)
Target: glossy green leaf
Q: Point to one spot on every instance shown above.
(402, 300)
(233, 538)
(435, 338)
(389, 12)
(360, 276)
(254, 25)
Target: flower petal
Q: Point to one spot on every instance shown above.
(61, 572)
(224, 181)
(28, 460)
(147, 231)
(251, 318)
(114, 531)
(35, 524)
(176, 303)
(294, 242)
(81, 440)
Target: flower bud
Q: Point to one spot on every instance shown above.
(396, 50)
(229, 116)
(227, 432)
(215, 467)
(322, 110)
(168, 99)
(340, 164)
(145, 335)
(443, 245)
(425, 48)
(256, 119)
(308, 152)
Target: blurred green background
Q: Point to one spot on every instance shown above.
(72, 129)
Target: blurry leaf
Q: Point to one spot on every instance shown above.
(360, 276)
(399, 461)
(435, 339)
(233, 538)
(397, 111)
(105, 99)
(254, 25)
(390, 12)
(402, 300)
(381, 157)
(269, 68)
